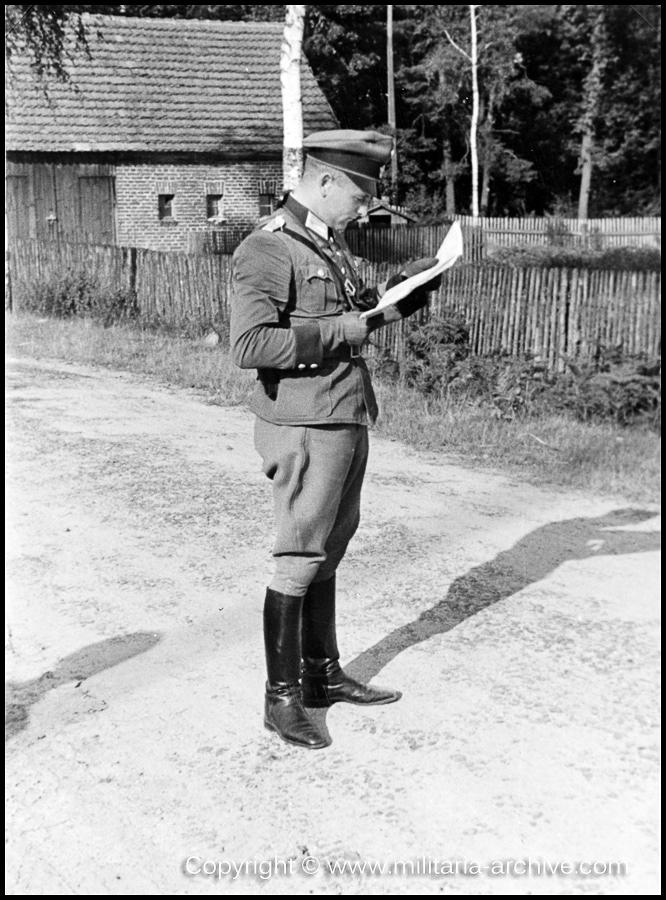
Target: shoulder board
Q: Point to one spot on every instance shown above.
(275, 224)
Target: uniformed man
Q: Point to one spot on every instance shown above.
(295, 317)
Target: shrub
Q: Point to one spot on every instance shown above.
(79, 293)
(611, 387)
(434, 349)
(556, 255)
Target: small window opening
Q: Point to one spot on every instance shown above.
(214, 207)
(267, 204)
(165, 205)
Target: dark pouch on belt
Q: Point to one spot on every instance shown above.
(269, 379)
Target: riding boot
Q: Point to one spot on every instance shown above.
(323, 680)
(284, 712)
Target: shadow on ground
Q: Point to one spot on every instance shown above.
(89, 660)
(532, 558)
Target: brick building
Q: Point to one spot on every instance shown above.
(167, 130)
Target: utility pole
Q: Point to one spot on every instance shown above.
(391, 101)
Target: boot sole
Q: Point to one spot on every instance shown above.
(325, 704)
(269, 727)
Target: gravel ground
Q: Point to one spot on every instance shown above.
(521, 624)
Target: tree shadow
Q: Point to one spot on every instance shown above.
(82, 664)
(531, 559)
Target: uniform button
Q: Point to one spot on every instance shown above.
(314, 366)
(301, 365)
(343, 270)
(320, 272)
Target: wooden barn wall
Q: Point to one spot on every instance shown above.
(61, 202)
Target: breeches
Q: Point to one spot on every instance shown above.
(317, 473)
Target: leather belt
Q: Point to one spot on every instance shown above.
(344, 352)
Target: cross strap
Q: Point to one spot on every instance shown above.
(338, 275)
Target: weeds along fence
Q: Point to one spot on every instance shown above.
(547, 313)
(178, 289)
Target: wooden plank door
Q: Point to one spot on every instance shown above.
(97, 209)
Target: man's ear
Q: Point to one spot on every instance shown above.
(325, 184)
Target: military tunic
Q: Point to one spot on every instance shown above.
(288, 297)
(292, 281)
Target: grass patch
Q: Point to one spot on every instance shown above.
(171, 358)
(554, 449)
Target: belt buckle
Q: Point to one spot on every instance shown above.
(355, 352)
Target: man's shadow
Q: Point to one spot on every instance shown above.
(531, 559)
(89, 660)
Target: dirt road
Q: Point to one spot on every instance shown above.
(520, 624)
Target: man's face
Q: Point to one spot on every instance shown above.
(344, 201)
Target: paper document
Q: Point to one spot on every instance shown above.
(450, 250)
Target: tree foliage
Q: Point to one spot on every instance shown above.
(625, 115)
(548, 76)
(43, 32)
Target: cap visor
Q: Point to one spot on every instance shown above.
(369, 185)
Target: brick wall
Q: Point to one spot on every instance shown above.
(139, 186)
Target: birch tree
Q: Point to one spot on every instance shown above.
(472, 58)
(292, 107)
(592, 99)
(475, 112)
(469, 74)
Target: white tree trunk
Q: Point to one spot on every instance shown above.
(475, 116)
(593, 87)
(292, 108)
(585, 164)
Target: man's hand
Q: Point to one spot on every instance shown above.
(412, 302)
(385, 317)
(415, 268)
(355, 329)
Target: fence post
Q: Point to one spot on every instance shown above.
(9, 305)
(132, 270)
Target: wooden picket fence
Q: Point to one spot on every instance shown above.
(482, 236)
(597, 234)
(172, 288)
(551, 314)
(407, 242)
(548, 313)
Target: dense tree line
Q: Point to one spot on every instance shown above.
(566, 93)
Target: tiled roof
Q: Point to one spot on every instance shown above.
(164, 85)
